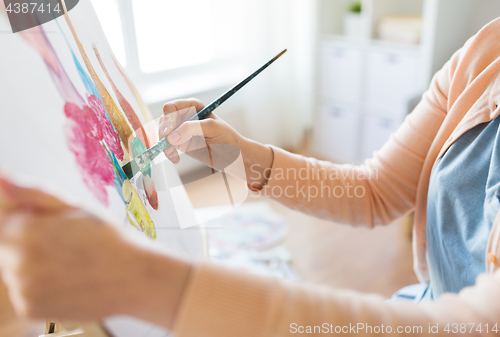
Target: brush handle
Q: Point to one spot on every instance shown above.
(205, 112)
(147, 157)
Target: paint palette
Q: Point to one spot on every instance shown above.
(251, 226)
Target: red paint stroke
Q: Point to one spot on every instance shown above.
(151, 194)
(126, 107)
(144, 108)
(83, 134)
(111, 137)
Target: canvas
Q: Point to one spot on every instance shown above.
(70, 117)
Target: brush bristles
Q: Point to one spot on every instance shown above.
(131, 169)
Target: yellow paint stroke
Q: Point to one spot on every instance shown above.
(117, 119)
(132, 221)
(138, 211)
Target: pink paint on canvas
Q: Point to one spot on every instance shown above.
(83, 133)
(111, 137)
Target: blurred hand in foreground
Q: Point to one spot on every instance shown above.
(62, 262)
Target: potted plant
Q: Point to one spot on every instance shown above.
(353, 21)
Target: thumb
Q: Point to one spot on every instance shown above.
(14, 197)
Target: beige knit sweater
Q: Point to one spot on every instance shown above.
(225, 303)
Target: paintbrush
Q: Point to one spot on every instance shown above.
(141, 161)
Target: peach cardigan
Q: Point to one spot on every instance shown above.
(223, 303)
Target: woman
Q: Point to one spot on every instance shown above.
(59, 261)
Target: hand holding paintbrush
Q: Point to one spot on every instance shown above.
(194, 137)
(141, 161)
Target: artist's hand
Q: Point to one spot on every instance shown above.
(193, 135)
(62, 262)
(212, 141)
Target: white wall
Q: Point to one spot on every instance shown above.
(277, 107)
(458, 21)
(484, 12)
(279, 104)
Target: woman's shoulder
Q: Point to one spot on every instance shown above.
(480, 51)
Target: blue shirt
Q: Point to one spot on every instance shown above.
(463, 201)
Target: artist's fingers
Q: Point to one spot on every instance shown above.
(161, 126)
(172, 154)
(6, 204)
(188, 130)
(5, 221)
(174, 157)
(161, 123)
(14, 197)
(11, 225)
(183, 105)
(168, 125)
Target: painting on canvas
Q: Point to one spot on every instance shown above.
(71, 118)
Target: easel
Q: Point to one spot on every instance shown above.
(55, 329)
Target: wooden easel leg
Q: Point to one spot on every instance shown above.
(52, 326)
(54, 329)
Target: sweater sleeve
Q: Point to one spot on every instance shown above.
(219, 302)
(224, 303)
(382, 189)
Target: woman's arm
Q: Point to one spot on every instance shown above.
(219, 302)
(381, 190)
(58, 261)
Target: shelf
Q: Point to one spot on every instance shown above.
(368, 42)
(384, 43)
(380, 79)
(340, 37)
